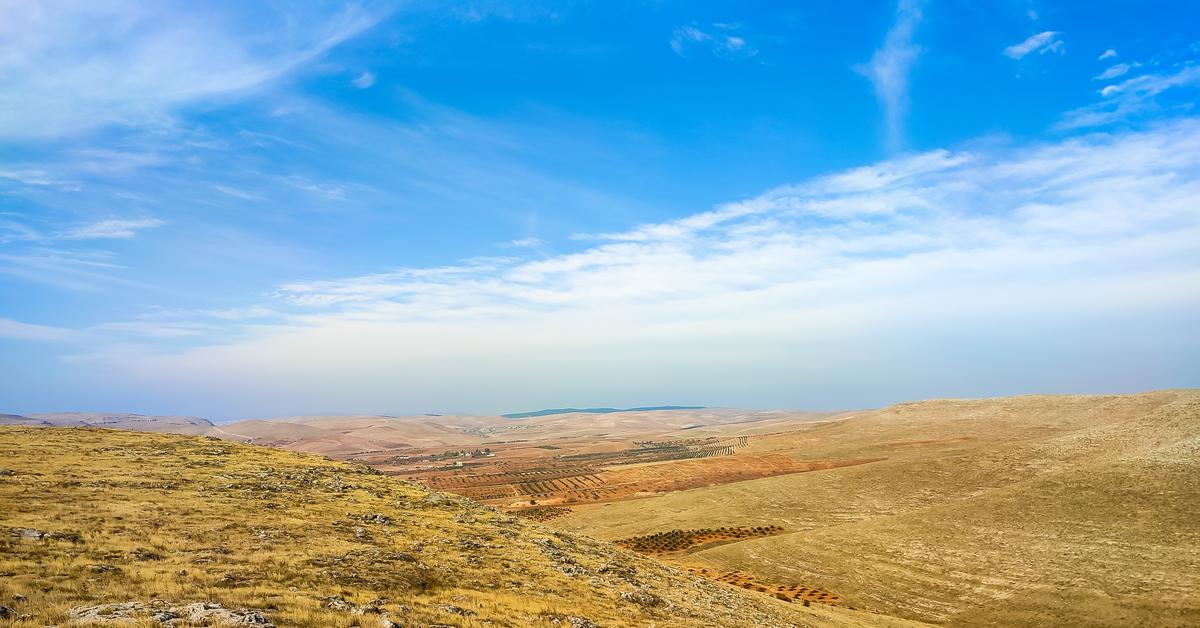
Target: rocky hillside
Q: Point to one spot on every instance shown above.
(103, 525)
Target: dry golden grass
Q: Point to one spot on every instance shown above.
(1025, 511)
(139, 516)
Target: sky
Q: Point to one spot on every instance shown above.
(236, 209)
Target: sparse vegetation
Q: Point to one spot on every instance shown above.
(304, 541)
(680, 540)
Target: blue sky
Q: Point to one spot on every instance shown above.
(230, 210)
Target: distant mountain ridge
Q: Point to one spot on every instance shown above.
(113, 420)
(550, 411)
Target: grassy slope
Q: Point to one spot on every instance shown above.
(193, 519)
(1022, 511)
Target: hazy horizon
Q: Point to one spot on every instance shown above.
(230, 211)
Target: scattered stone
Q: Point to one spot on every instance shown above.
(146, 554)
(373, 517)
(7, 472)
(19, 598)
(231, 580)
(624, 572)
(641, 597)
(195, 614)
(109, 613)
(214, 614)
(581, 622)
(456, 610)
(337, 603)
(31, 533)
(6, 612)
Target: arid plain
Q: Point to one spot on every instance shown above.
(1031, 510)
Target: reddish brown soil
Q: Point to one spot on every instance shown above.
(790, 593)
(520, 474)
(681, 540)
(559, 481)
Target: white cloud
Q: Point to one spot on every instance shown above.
(331, 191)
(17, 330)
(889, 68)
(364, 80)
(1041, 43)
(1130, 98)
(1113, 72)
(238, 193)
(904, 276)
(1107, 54)
(32, 177)
(720, 41)
(109, 229)
(71, 66)
(76, 270)
(526, 242)
(157, 328)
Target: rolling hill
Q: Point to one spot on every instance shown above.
(1022, 511)
(550, 411)
(1038, 510)
(163, 529)
(126, 421)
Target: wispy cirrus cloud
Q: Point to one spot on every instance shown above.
(1132, 97)
(528, 242)
(1041, 43)
(116, 228)
(16, 330)
(723, 40)
(890, 66)
(12, 230)
(72, 66)
(364, 80)
(83, 270)
(1114, 71)
(1008, 250)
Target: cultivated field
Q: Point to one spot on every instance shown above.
(1017, 511)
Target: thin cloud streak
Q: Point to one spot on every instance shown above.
(130, 63)
(889, 69)
(1041, 43)
(111, 229)
(725, 41)
(17, 330)
(1129, 98)
(364, 80)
